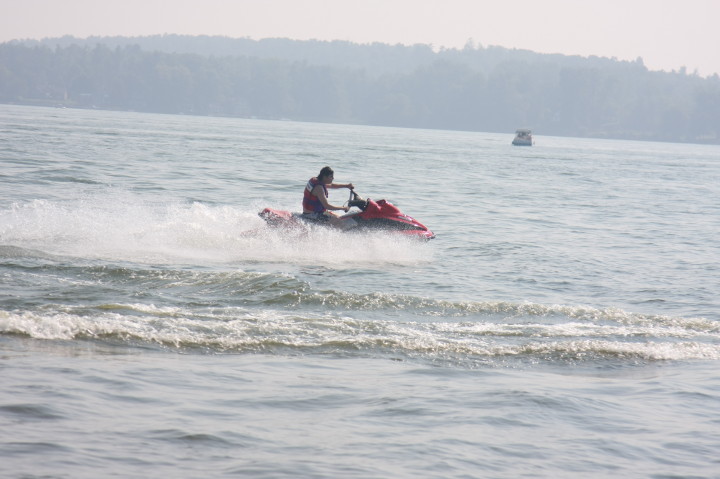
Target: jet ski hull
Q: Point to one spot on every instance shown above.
(379, 215)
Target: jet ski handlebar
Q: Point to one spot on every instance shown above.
(357, 200)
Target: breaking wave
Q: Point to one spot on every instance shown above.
(463, 333)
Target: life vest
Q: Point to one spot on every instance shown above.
(310, 201)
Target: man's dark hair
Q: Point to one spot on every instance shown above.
(326, 171)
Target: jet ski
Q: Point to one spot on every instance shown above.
(380, 215)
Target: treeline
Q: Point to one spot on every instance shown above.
(475, 88)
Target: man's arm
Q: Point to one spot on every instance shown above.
(320, 193)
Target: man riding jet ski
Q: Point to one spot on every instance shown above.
(373, 215)
(315, 197)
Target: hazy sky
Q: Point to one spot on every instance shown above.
(667, 34)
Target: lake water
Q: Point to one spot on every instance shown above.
(564, 323)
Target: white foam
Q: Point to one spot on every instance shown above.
(122, 226)
(238, 329)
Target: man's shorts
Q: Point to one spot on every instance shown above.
(316, 216)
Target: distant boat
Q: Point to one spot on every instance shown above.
(523, 137)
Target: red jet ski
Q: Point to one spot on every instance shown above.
(378, 215)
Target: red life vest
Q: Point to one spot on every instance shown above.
(310, 201)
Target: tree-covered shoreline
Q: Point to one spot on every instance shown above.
(489, 89)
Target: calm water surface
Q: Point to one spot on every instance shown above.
(564, 323)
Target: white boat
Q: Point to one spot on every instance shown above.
(523, 137)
